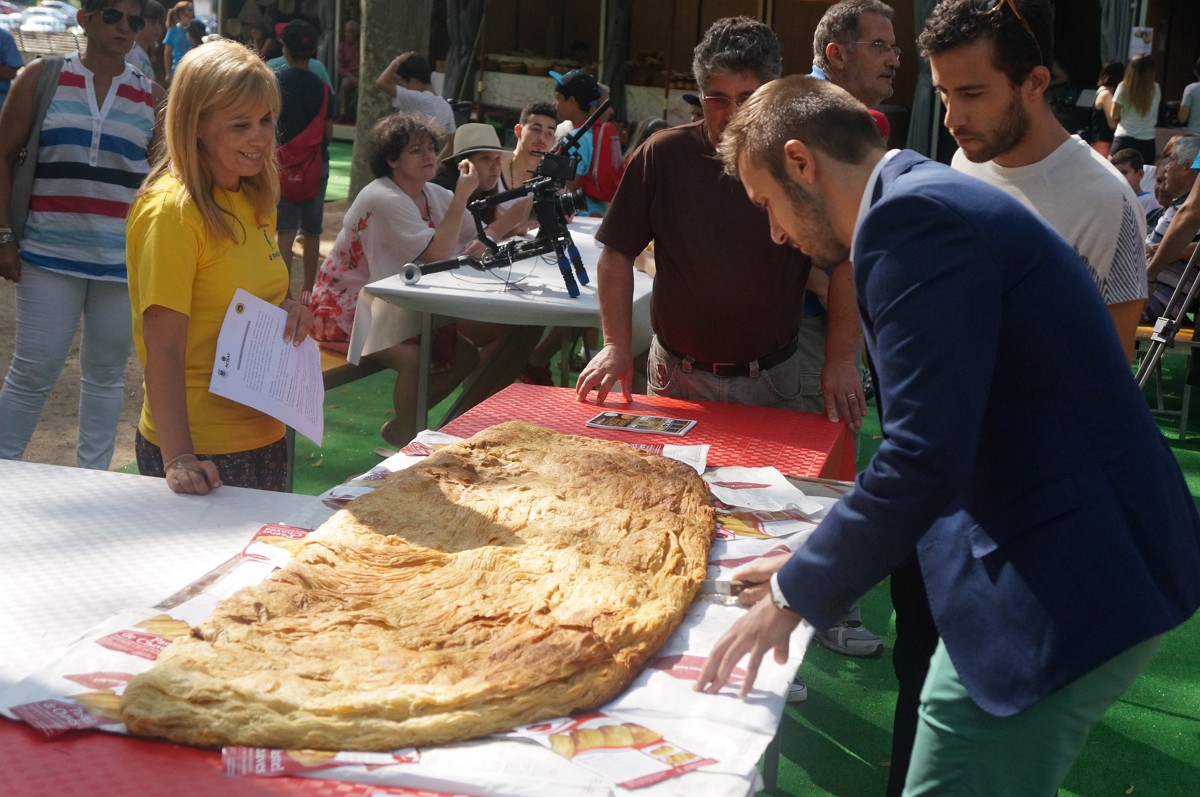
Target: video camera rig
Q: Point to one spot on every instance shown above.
(551, 208)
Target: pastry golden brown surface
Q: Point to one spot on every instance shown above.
(516, 576)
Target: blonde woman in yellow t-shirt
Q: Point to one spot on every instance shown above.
(203, 226)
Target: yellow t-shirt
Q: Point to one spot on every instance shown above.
(176, 262)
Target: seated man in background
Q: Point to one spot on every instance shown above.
(1176, 178)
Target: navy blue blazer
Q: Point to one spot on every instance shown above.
(1052, 523)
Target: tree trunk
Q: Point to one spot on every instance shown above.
(389, 28)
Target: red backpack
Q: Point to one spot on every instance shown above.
(604, 176)
(300, 160)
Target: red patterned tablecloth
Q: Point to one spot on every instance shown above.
(797, 443)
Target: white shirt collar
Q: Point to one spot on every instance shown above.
(869, 192)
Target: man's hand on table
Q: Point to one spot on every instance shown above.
(755, 578)
(610, 365)
(765, 627)
(841, 384)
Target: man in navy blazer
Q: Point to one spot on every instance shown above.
(1055, 533)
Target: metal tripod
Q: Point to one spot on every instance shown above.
(1165, 328)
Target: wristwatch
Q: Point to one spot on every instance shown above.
(7, 237)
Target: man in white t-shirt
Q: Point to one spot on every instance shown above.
(992, 74)
(408, 82)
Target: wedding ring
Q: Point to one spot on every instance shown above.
(849, 395)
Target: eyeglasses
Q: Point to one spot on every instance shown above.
(721, 103)
(994, 6)
(417, 150)
(879, 46)
(111, 16)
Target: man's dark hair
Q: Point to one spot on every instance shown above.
(153, 11)
(1128, 157)
(840, 24)
(822, 115)
(538, 109)
(92, 6)
(955, 23)
(416, 67)
(737, 44)
(392, 134)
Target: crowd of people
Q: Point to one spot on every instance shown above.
(1031, 573)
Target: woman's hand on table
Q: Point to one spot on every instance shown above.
(299, 321)
(190, 475)
(610, 365)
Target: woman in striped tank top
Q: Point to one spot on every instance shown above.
(69, 262)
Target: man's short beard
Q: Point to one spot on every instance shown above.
(825, 251)
(1010, 134)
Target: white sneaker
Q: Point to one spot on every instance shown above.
(850, 639)
(797, 691)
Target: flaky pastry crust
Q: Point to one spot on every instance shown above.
(513, 577)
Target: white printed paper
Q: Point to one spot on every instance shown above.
(759, 488)
(255, 366)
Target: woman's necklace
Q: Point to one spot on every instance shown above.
(427, 215)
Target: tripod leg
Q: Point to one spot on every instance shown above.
(1166, 328)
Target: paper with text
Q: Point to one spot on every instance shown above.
(255, 366)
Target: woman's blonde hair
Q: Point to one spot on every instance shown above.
(1139, 80)
(211, 79)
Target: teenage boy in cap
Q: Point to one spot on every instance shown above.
(576, 94)
(302, 96)
(408, 82)
(694, 107)
(280, 63)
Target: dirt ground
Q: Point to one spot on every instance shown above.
(53, 441)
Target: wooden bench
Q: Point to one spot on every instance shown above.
(336, 371)
(1184, 343)
(33, 44)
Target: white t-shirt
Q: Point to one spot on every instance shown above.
(425, 103)
(1082, 196)
(1133, 124)
(1191, 100)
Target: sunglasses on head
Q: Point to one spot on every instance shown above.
(111, 16)
(994, 6)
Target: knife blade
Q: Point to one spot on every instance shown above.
(722, 588)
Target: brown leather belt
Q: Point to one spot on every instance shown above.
(752, 368)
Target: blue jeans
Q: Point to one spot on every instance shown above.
(49, 306)
(780, 386)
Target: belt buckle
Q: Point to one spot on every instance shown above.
(716, 368)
